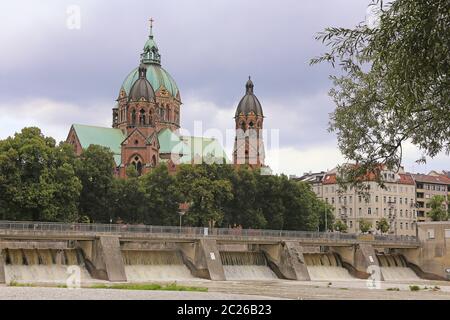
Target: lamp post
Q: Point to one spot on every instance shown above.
(182, 209)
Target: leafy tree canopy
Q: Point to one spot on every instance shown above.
(393, 86)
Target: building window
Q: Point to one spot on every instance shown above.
(376, 198)
(359, 199)
(447, 233)
(384, 199)
(401, 213)
(360, 211)
(369, 210)
(430, 233)
(332, 200)
(406, 226)
(376, 211)
(351, 224)
(401, 225)
(401, 200)
(351, 211)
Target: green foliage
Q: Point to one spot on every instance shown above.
(205, 191)
(365, 225)
(438, 211)
(414, 288)
(95, 169)
(394, 85)
(42, 181)
(37, 178)
(161, 197)
(339, 225)
(383, 225)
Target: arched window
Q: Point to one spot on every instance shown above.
(169, 114)
(150, 118)
(243, 125)
(133, 117)
(137, 163)
(154, 161)
(142, 117)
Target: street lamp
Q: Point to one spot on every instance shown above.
(182, 209)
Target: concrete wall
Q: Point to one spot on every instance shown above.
(286, 260)
(59, 245)
(103, 258)
(203, 259)
(357, 259)
(2, 268)
(433, 256)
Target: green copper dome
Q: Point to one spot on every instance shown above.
(156, 75)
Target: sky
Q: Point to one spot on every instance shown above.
(63, 62)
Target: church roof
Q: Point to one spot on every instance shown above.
(201, 147)
(156, 75)
(169, 142)
(106, 137)
(249, 103)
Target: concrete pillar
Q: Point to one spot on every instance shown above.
(203, 259)
(365, 257)
(208, 249)
(107, 259)
(2, 268)
(287, 261)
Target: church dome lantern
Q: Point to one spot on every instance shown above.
(156, 74)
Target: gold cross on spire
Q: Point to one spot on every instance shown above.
(151, 23)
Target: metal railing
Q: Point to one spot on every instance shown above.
(79, 228)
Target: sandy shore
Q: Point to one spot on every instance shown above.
(243, 290)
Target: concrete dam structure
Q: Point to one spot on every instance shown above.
(46, 252)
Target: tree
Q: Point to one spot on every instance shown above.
(438, 211)
(126, 201)
(365, 225)
(243, 209)
(207, 196)
(340, 226)
(394, 87)
(383, 225)
(95, 169)
(37, 179)
(161, 197)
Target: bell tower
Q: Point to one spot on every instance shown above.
(249, 119)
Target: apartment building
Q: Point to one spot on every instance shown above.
(396, 202)
(427, 186)
(314, 179)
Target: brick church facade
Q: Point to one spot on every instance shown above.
(146, 119)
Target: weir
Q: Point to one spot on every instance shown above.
(42, 252)
(246, 265)
(144, 265)
(43, 265)
(395, 267)
(326, 266)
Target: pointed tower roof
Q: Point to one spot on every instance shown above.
(151, 52)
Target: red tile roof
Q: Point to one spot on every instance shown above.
(441, 179)
(329, 179)
(405, 178)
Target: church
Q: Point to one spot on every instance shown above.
(146, 121)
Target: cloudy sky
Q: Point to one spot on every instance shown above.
(53, 74)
